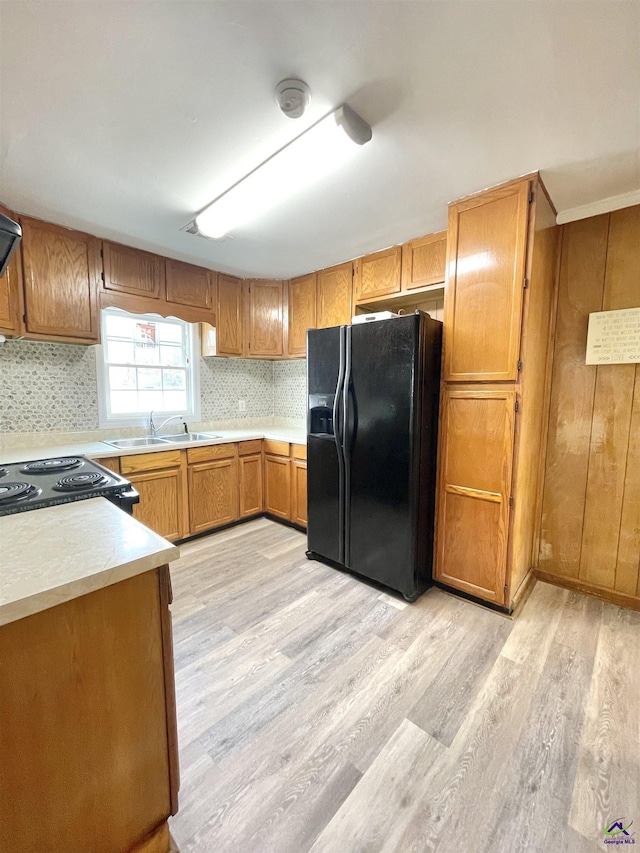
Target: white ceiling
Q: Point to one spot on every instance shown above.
(124, 118)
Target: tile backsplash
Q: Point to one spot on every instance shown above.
(46, 387)
(290, 388)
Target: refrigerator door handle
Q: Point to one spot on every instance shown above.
(346, 444)
(339, 439)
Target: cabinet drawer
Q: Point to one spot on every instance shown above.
(214, 451)
(247, 447)
(149, 461)
(278, 448)
(299, 451)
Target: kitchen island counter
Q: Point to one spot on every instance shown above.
(55, 554)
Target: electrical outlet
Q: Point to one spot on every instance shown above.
(242, 406)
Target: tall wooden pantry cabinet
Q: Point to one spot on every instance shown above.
(501, 272)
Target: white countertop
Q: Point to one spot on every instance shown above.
(45, 559)
(98, 449)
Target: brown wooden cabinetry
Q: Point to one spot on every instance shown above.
(474, 489)
(299, 492)
(213, 494)
(277, 485)
(229, 317)
(378, 274)
(189, 285)
(250, 483)
(60, 273)
(97, 763)
(159, 478)
(11, 290)
(491, 435)
(423, 261)
(301, 312)
(486, 262)
(264, 307)
(131, 271)
(335, 296)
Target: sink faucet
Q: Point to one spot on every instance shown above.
(153, 430)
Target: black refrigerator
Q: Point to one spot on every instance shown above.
(372, 420)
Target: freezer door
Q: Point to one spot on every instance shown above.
(380, 450)
(325, 458)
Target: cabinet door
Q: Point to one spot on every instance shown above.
(378, 274)
(161, 501)
(10, 286)
(299, 493)
(277, 486)
(335, 295)
(423, 261)
(213, 494)
(487, 241)
(265, 318)
(476, 449)
(60, 269)
(302, 295)
(132, 271)
(229, 319)
(189, 285)
(250, 485)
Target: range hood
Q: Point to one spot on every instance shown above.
(10, 234)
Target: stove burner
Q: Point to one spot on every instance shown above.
(14, 492)
(81, 481)
(42, 466)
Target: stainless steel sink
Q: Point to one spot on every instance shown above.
(185, 437)
(124, 443)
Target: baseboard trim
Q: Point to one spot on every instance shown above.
(619, 598)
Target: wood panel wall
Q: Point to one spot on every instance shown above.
(590, 531)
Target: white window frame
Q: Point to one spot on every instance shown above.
(105, 418)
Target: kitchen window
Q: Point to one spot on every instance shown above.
(146, 362)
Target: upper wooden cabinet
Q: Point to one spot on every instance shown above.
(264, 305)
(423, 261)
(301, 312)
(10, 290)
(378, 274)
(486, 252)
(229, 316)
(477, 426)
(189, 285)
(132, 271)
(60, 270)
(335, 296)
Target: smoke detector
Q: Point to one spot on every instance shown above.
(293, 96)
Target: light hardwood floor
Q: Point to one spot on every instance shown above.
(317, 714)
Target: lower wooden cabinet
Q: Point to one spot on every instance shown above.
(213, 494)
(159, 479)
(88, 731)
(186, 492)
(250, 486)
(161, 501)
(299, 492)
(277, 486)
(476, 448)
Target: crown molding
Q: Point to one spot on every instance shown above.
(595, 208)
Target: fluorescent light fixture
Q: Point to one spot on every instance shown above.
(312, 155)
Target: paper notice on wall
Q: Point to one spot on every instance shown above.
(614, 337)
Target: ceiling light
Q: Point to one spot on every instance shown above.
(309, 157)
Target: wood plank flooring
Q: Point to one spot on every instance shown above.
(318, 714)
